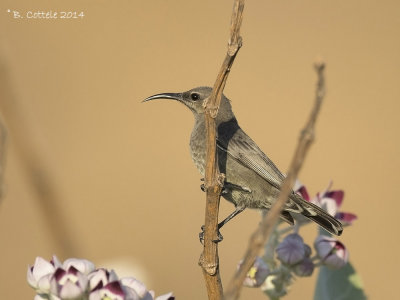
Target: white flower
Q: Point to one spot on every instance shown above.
(112, 290)
(100, 278)
(82, 265)
(40, 273)
(130, 284)
(77, 279)
(138, 287)
(70, 284)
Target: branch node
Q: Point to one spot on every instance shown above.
(234, 47)
(214, 111)
(307, 134)
(210, 269)
(319, 64)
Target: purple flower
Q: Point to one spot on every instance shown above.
(257, 274)
(291, 250)
(304, 268)
(329, 201)
(331, 251)
(307, 250)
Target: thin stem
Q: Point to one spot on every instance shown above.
(285, 230)
(261, 235)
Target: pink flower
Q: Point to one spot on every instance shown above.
(329, 201)
(331, 251)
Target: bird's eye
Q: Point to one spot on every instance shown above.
(195, 96)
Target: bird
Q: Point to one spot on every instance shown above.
(251, 180)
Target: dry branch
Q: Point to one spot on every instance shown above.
(260, 236)
(213, 179)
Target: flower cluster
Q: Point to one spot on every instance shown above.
(295, 254)
(79, 279)
(294, 257)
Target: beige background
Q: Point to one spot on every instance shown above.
(123, 179)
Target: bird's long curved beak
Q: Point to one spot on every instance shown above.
(173, 96)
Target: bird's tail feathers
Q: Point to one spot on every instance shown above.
(287, 217)
(318, 215)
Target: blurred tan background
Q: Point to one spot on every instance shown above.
(124, 189)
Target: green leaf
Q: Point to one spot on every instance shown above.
(342, 284)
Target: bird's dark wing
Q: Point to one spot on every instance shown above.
(243, 149)
(238, 145)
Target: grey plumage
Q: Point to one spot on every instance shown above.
(251, 179)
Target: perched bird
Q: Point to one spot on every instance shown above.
(251, 179)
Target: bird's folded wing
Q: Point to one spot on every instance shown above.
(245, 151)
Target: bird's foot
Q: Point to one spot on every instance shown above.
(203, 186)
(224, 191)
(201, 236)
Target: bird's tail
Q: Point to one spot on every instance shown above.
(318, 215)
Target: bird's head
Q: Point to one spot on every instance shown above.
(194, 100)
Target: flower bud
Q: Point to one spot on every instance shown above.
(307, 250)
(39, 274)
(82, 265)
(304, 268)
(70, 284)
(291, 250)
(331, 251)
(112, 290)
(135, 287)
(101, 277)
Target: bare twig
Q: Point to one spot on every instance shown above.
(260, 236)
(213, 179)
